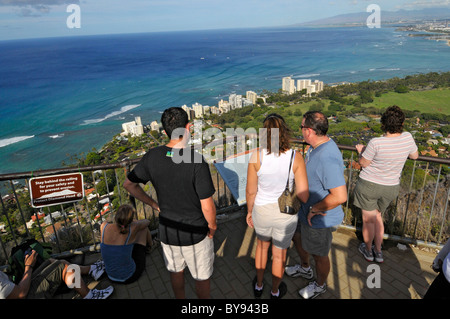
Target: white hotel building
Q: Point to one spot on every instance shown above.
(135, 128)
(288, 86)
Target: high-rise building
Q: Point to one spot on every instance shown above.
(135, 128)
(154, 126)
(303, 84)
(198, 109)
(319, 85)
(310, 89)
(214, 110)
(288, 85)
(224, 106)
(235, 101)
(252, 96)
(187, 109)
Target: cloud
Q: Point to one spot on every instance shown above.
(34, 8)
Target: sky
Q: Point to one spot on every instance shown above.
(49, 18)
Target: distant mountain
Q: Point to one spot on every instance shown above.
(403, 16)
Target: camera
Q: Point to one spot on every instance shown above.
(28, 252)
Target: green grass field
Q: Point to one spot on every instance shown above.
(432, 101)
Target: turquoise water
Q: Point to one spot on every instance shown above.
(64, 96)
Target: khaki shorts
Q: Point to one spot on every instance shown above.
(271, 225)
(46, 280)
(199, 258)
(370, 196)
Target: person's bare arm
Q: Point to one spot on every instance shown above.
(301, 179)
(414, 155)
(20, 290)
(251, 188)
(336, 197)
(364, 162)
(209, 211)
(137, 192)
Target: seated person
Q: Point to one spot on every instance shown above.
(124, 245)
(43, 282)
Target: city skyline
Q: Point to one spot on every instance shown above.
(48, 18)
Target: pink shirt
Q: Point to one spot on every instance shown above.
(388, 156)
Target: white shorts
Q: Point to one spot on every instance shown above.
(199, 258)
(272, 225)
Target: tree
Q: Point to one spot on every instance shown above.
(92, 158)
(366, 96)
(401, 89)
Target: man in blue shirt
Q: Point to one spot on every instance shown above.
(322, 213)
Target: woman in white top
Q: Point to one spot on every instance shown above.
(378, 185)
(267, 174)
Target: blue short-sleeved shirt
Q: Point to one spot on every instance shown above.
(325, 170)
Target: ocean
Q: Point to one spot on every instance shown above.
(63, 96)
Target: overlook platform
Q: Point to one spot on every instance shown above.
(405, 274)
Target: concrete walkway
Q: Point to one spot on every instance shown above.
(404, 274)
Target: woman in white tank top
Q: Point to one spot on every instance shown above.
(267, 174)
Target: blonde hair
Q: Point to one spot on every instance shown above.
(124, 217)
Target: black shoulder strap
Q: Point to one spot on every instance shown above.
(290, 164)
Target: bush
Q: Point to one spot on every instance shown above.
(401, 89)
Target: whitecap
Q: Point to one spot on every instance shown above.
(385, 69)
(12, 140)
(123, 109)
(56, 135)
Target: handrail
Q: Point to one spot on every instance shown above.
(125, 163)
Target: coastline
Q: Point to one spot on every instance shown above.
(91, 97)
(114, 137)
(281, 109)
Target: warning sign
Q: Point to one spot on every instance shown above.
(56, 189)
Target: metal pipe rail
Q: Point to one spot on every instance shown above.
(420, 219)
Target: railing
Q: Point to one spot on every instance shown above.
(418, 216)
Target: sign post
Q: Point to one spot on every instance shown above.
(56, 189)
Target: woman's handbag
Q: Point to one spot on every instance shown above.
(288, 201)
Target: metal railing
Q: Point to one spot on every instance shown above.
(419, 215)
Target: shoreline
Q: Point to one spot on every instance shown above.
(111, 138)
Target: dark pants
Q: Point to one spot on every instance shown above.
(138, 256)
(439, 289)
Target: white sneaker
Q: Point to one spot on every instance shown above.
(97, 269)
(100, 294)
(312, 290)
(298, 271)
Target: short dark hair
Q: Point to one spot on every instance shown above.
(392, 120)
(316, 121)
(174, 118)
